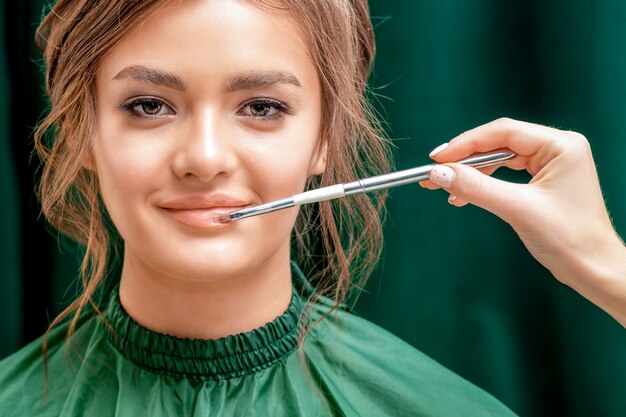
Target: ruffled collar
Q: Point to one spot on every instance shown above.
(211, 359)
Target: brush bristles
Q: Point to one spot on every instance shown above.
(224, 218)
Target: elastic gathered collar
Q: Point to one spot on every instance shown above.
(210, 359)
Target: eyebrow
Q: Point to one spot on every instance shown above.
(152, 76)
(247, 81)
(260, 79)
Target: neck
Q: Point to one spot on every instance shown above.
(205, 310)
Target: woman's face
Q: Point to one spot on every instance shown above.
(203, 108)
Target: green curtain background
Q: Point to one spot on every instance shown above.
(455, 283)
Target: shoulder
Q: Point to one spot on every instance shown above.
(388, 376)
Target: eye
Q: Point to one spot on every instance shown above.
(264, 109)
(147, 107)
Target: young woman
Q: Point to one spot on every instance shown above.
(166, 115)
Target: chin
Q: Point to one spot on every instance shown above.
(198, 263)
(203, 271)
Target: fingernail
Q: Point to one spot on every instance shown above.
(442, 176)
(451, 198)
(438, 149)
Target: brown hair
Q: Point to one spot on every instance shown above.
(76, 34)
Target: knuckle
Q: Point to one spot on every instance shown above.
(504, 121)
(505, 126)
(470, 138)
(462, 137)
(578, 138)
(578, 143)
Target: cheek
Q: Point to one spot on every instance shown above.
(282, 160)
(279, 168)
(127, 167)
(282, 171)
(127, 156)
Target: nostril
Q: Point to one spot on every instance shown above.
(204, 163)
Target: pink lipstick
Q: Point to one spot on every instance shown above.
(203, 211)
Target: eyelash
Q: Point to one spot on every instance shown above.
(282, 108)
(129, 108)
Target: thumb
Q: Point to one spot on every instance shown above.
(501, 198)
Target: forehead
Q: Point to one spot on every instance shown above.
(209, 38)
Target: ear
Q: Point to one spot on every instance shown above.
(82, 153)
(318, 163)
(87, 159)
(88, 163)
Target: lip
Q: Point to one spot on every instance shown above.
(203, 211)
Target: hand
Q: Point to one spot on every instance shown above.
(560, 214)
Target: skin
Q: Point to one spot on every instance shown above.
(206, 280)
(560, 215)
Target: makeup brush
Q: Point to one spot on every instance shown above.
(365, 185)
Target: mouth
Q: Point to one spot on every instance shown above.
(203, 212)
(204, 217)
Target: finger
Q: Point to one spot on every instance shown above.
(432, 186)
(429, 185)
(455, 201)
(523, 138)
(520, 162)
(501, 198)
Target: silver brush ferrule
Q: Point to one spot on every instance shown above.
(262, 209)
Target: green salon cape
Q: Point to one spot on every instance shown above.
(354, 369)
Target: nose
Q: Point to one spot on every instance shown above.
(205, 151)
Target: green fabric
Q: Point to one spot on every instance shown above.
(355, 369)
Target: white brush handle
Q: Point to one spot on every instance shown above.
(321, 194)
